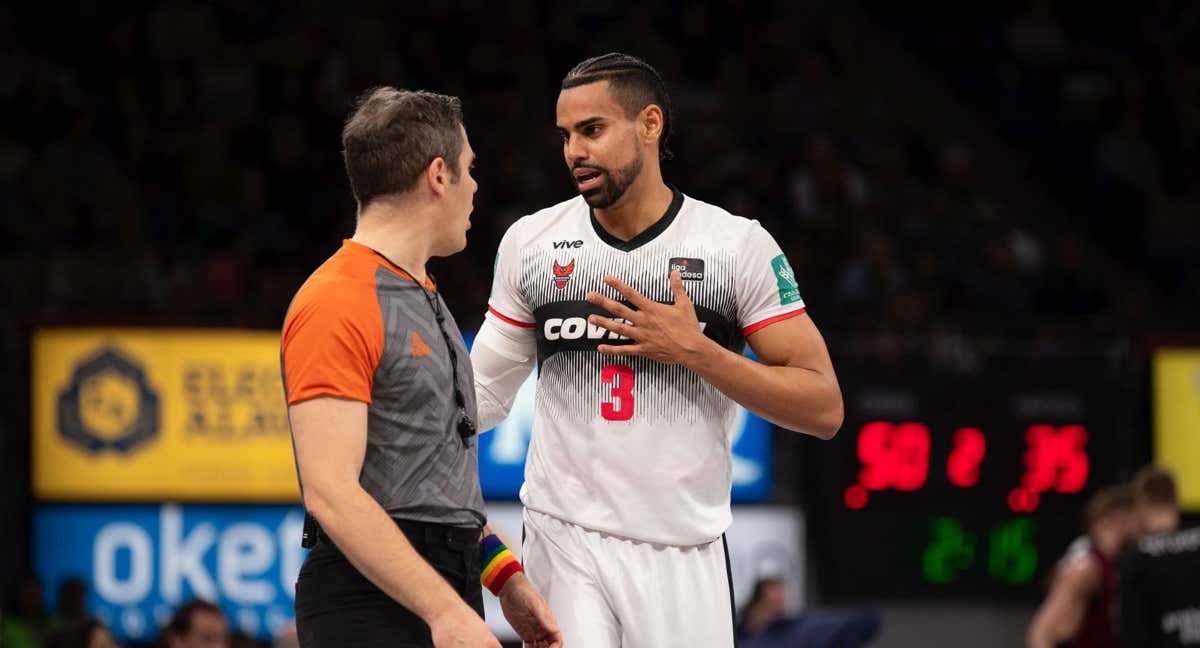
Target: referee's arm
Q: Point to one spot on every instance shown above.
(330, 436)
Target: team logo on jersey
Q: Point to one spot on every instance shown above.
(562, 273)
(785, 279)
(689, 269)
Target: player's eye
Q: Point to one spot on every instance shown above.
(593, 130)
(564, 136)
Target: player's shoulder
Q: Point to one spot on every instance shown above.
(1080, 571)
(1174, 542)
(719, 222)
(547, 221)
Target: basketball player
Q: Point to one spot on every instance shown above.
(1159, 593)
(1079, 605)
(636, 302)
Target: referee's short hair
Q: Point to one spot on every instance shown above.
(1155, 486)
(392, 137)
(634, 85)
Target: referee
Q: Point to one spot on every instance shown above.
(382, 407)
(1159, 579)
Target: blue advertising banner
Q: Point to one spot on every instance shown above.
(502, 451)
(143, 560)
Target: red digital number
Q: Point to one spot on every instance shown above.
(1055, 458)
(620, 408)
(893, 456)
(962, 466)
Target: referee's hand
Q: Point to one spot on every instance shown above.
(461, 627)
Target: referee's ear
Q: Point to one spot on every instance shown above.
(650, 124)
(437, 175)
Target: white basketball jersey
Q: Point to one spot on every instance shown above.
(627, 445)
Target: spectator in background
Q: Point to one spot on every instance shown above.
(765, 623)
(1159, 586)
(286, 638)
(26, 625)
(72, 594)
(1082, 595)
(82, 633)
(240, 639)
(197, 624)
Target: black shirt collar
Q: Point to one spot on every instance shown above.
(648, 234)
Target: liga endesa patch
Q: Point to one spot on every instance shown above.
(689, 269)
(785, 279)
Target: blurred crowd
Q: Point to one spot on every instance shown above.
(1105, 98)
(178, 162)
(27, 623)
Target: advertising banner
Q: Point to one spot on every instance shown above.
(1177, 419)
(160, 414)
(142, 561)
(199, 415)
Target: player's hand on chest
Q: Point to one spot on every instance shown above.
(668, 333)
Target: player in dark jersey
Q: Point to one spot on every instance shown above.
(1159, 578)
(1079, 606)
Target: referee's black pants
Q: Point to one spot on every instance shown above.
(336, 606)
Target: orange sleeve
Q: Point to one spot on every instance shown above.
(332, 341)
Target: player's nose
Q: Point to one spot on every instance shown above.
(574, 149)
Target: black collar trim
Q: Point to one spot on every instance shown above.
(646, 235)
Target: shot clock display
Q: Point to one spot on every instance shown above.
(949, 487)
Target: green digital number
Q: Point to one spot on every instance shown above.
(1012, 554)
(950, 550)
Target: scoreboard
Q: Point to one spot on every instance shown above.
(957, 487)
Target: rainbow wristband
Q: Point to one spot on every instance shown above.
(498, 564)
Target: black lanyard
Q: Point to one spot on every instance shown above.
(466, 426)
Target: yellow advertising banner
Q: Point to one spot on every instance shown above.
(1177, 419)
(160, 414)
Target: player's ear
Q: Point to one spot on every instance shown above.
(650, 123)
(437, 174)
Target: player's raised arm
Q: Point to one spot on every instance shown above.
(794, 386)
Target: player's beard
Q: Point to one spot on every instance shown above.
(615, 183)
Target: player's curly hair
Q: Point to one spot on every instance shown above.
(634, 85)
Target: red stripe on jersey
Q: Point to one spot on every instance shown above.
(757, 326)
(510, 320)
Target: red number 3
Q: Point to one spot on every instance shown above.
(620, 408)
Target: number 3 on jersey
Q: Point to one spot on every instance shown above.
(620, 376)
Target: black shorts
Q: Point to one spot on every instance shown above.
(337, 606)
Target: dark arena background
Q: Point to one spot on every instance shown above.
(993, 214)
